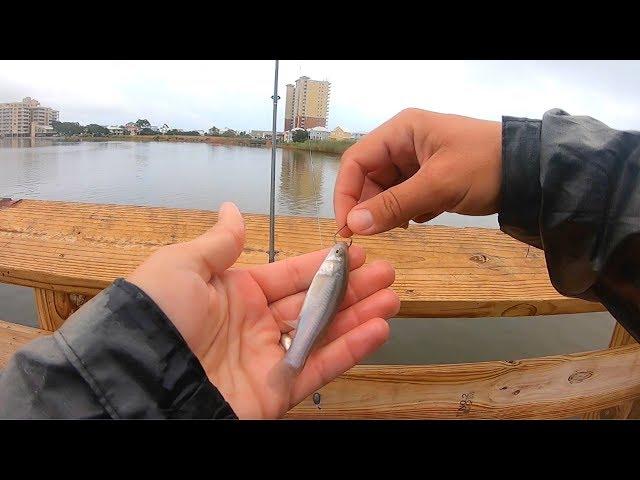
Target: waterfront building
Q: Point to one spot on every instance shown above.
(26, 118)
(265, 134)
(319, 133)
(306, 104)
(116, 130)
(339, 134)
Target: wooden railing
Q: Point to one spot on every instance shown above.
(70, 251)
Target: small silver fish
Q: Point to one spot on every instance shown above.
(320, 306)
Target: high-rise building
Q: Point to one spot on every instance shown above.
(25, 118)
(307, 104)
(288, 108)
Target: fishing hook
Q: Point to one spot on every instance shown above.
(335, 236)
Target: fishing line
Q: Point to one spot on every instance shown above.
(285, 338)
(315, 194)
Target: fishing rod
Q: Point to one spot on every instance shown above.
(272, 219)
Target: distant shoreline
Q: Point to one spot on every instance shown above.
(331, 147)
(160, 138)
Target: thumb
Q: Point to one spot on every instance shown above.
(220, 246)
(396, 206)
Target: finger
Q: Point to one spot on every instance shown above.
(389, 147)
(292, 275)
(387, 175)
(339, 356)
(389, 209)
(363, 281)
(218, 249)
(428, 191)
(423, 218)
(348, 189)
(383, 303)
(370, 189)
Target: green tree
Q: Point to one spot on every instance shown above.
(191, 133)
(300, 136)
(96, 130)
(147, 131)
(143, 123)
(67, 128)
(214, 131)
(229, 133)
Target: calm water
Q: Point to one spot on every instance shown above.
(197, 175)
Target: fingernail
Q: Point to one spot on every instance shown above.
(229, 205)
(229, 210)
(360, 219)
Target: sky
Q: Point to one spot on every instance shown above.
(236, 94)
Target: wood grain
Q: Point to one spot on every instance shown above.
(631, 409)
(559, 386)
(55, 307)
(548, 387)
(440, 271)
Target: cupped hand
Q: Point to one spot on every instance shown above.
(416, 166)
(232, 319)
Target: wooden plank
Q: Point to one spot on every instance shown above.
(549, 387)
(440, 271)
(55, 307)
(559, 386)
(14, 336)
(619, 337)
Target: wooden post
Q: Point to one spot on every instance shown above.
(55, 307)
(631, 409)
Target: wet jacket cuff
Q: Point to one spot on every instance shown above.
(521, 192)
(135, 361)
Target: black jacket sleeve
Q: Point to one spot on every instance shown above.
(571, 186)
(118, 356)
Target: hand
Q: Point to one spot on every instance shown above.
(416, 166)
(232, 319)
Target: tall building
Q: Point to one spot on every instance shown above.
(288, 108)
(25, 118)
(307, 104)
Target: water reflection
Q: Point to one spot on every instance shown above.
(142, 165)
(301, 181)
(24, 142)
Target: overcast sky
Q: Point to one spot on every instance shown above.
(236, 94)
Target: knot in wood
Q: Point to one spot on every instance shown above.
(578, 377)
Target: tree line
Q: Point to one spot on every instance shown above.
(74, 128)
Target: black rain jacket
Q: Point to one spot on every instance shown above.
(571, 186)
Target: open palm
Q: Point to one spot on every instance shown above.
(232, 319)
